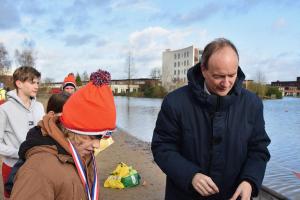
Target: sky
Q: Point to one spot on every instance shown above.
(85, 35)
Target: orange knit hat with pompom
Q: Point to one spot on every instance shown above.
(69, 81)
(91, 110)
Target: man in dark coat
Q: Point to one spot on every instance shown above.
(210, 137)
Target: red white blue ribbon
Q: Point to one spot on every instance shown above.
(93, 192)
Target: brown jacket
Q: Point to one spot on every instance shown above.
(48, 175)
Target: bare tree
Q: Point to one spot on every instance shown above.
(260, 79)
(26, 57)
(85, 76)
(5, 62)
(155, 73)
(129, 69)
(48, 80)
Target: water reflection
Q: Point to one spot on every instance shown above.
(137, 115)
(283, 124)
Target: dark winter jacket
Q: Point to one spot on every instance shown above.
(221, 137)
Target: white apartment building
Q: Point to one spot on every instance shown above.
(175, 65)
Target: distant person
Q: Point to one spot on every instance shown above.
(210, 137)
(18, 114)
(2, 93)
(69, 84)
(54, 170)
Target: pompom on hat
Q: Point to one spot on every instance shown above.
(69, 81)
(91, 110)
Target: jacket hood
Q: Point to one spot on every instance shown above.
(35, 138)
(196, 84)
(13, 97)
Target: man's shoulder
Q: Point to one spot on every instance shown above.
(178, 93)
(177, 97)
(250, 97)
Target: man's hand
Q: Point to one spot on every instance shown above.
(204, 185)
(244, 191)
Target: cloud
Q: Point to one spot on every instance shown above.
(208, 10)
(34, 8)
(57, 27)
(196, 15)
(14, 40)
(140, 5)
(77, 40)
(284, 66)
(240, 6)
(148, 44)
(212, 9)
(9, 15)
(101, 43)
(279, 23)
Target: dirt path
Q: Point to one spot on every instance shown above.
(133, 152)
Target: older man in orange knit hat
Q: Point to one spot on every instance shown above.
(67, 170)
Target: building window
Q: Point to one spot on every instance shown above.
(184, 54)
(174, 72)
(178, 72)
(178, 64)
(174, 64)
(187, 63)
(187, 54)
(175, 56)
(184, 63)
(178, 55)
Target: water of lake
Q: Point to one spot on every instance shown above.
(138, 116)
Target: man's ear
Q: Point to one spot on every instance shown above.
(19, 84)
(203, 71)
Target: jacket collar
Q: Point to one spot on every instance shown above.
(196, 84)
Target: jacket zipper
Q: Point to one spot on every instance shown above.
(217, 108)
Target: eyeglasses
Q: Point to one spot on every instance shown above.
(97, 137)
(106, 135)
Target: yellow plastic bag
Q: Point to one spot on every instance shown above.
(113, 181)
(104, 143)
(122, 170)
(123, 176)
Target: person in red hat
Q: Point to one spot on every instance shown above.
(69, 84)
(67, 170)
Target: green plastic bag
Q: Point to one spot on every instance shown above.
(133, 179)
